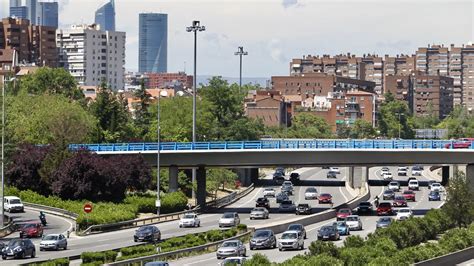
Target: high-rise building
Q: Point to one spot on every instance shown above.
(19, 12)
(47, 14)
(92, 55)
(43, 13)
(105, 16)
(153, 43)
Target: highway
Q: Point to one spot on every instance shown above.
(369, 222)
(311, 177)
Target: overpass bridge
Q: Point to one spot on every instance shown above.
(250, 155)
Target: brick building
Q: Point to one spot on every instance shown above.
(163, 80)
(268, 106)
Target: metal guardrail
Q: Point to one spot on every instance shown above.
(54, 210)
(453, 258)
(229, 199)
(176, 253)
(273, 144)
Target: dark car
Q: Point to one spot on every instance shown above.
(388, 194)
(263, 239)
(149, 233)
(19, 248)
(328, 233)
(331, 174)
(303, 208)
(281, 197)
(263, 202)
(434, 195)
(31, 230)
(325, 198)
(364, 207)
(280, 171)
(279, 179)
(384, 222)
(399, 201)
(287, 206)
(294, 177)
(298, 228)
(385, 208)
(287, 190)
(409, 195)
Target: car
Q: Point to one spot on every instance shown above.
(388, 194)
(399, 201)
(413, 185)
(430, 182)
(325, 198)
(263, 238)
(385, 170)
(287, 206)
(281, 197)
(436, 187)
(411, 178)
(364, 207)
(384, 222)
(280, 171)
(19, 249)
(279, 179)
(434, 196)
(297, 227)
(311, 193)
(288, 190)
(262, 202)
(335, 170)
(148, 233)
(259, 213)
(231, 248)
(402, 171)
(394, 185)
(269, 192)
(331, 174)
(343, 213)
(189, 219)
(287, 183)
(354, 222)
(294, 177)
(385, 208)
(404, 213)
(325, 167)
(13, 204)
(157, 263)
(31, 229)
(53, 241)
(328, 232)
(291, 240)
(387, 176)
(303, 208)
(463, 143)
(409, 195)
(229, 219)
(342, 228)
(416, 170)
(233, 261)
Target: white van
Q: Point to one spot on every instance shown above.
(13, 204)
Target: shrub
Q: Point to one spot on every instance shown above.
(354, 256)
(320, 247)
(173, 202)
(242, 227)
(257, 260)
(55, 262)
(353, 241)
(144, 204)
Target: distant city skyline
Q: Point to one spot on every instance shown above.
(153, 43)
(286, 30)
(105, 16)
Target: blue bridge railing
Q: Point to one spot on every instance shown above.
(277, 144)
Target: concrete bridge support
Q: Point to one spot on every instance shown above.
(357, 176)
(173, 178)
(470, 175)
(247, 176)
(446, 172)
(201, 186)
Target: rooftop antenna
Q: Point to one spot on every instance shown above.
(184, 66)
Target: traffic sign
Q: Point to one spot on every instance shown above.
(87, 208)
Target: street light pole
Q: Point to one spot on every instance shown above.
(195, 27)
(399, 124)
(158, 203)
(240, 52)
(4, 82)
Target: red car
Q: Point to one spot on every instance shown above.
(325, 198)
(385, 208)
(400, 201)
(409, 195)
(31, 230)
(343, 213)
(460, 144)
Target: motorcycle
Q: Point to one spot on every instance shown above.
(43, 219)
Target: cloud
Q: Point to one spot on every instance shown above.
(276, 52)
(290, 3)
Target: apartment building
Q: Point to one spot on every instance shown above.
(467, 76)
(34, 44)
(92, 55)
(162, 80)
(268, 106)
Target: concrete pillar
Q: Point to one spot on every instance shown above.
(359, 176)
(470, 175)
(247, 176)
(201, 186)
(445, 173)
(350, 176)
(173, 175)
(253, 175)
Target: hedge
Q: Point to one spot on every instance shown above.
(105, 212)
(55, 262)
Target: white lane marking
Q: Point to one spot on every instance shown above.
(199, 261)
(252, 199)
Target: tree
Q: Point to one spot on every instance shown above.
(142, 114)
(307, 125)
(459, 123)
(394, 116)
(218, 177)
(362, 129)
(51, 81)
(459, 204)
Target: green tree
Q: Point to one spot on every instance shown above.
(459, 123)
(307, 125)
(395, 117)
(52, 81)
(459, 204)
(141, 113)
(217, 177)
(257, 260)
(362, 129)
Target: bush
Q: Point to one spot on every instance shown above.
(353, 241)
(320, 247)
(55, 262)
(96, 257)
(257, 260)
(145, 204)
(242, 227)
(173, 202)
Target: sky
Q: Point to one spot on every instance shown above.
(275, 31)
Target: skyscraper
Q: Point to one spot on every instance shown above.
(38, 13)
(47, 14)
(105, 16)
(153, 43)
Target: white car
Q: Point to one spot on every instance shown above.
(437, 187)
(311, 193)
(269, 192)
(291, 240)
(54, 242)
(335, 170)
(385, 170)
(404, 213)
(189, 220)
(394, 185)
(229, 219)
(416, 170)
(259, 213)
(413, 185)
(287, 184)
(354, 222)
(387, 176)
(12, 204)
(403, 170)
